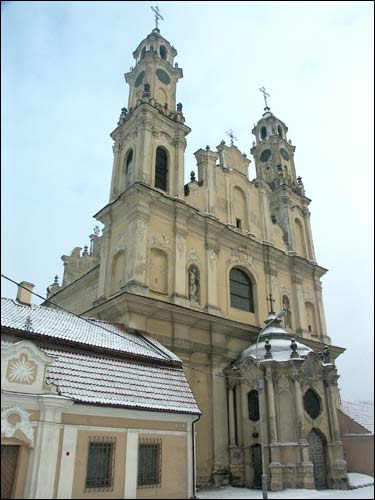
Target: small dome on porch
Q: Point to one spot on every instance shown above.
(280, 347)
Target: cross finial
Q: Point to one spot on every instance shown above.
(231, 135)
(157, 15)
(270, 300)
(265, 95)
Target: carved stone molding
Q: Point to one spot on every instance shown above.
(23, 424)
(241, 255)
(193, 256)
(160, 241)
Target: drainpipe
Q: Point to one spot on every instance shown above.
(193, 451)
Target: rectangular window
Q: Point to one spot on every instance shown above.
(149, 464)
(100, 464)
(238, 223)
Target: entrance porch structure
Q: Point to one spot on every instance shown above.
(298, 395)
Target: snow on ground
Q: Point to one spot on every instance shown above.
(355, 479)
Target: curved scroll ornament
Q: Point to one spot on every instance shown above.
(23, 424)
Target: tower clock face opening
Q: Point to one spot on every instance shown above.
(284, 153)
(163, 76)
(265, 156)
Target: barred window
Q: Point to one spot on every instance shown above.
(161, 169)
(253, 403)
(100, 463)
(241, 292)
(149, 464)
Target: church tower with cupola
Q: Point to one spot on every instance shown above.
(275, 169)
(193, 266)
(150, 135)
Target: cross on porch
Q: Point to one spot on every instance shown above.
(270, 300)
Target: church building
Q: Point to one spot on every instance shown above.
(206, 266)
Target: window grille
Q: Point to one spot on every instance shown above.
(149, 464)
(253, 403)
(241, 293)
(100, 463)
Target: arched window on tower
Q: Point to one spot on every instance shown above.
(163, 52)
(143, 53)
(241, 290)
(263, 132)
(279, 131)
(128, 167)
(161, 169)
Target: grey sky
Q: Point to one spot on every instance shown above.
(63, 88)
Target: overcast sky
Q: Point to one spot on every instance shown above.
(63, 87)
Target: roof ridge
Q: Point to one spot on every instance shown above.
(358, 403)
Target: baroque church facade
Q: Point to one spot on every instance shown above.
(193, 265)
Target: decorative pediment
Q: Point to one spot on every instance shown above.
(23, 368)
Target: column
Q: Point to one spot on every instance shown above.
(180, 146)
(212, 284)
(299, 301)
(116, 148)
(220, 422)
(232, 430)
(271, 405)
(68, 457)
(143, 168)
(104, 257)
(131, 464)
(180, 264)
(264, 210)
(287, 223)
(320, 310)
(332, 411)
(140, 250)
(43, 472)
(307, 471)
(206, 161)
(306, 215)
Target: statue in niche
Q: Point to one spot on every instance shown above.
(193, 284)
(288, 316)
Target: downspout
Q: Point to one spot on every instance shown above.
(193, 451)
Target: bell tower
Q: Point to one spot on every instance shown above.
(150, 134)
(276, 174)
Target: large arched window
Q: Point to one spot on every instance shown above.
(161, 169)
(241, 290)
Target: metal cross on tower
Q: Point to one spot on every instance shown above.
(270, 300)
(231, 135)
(265, 95)
(157, 15)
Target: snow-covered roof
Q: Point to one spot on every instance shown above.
(361, 413)
(111, 381)
(57, 324)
